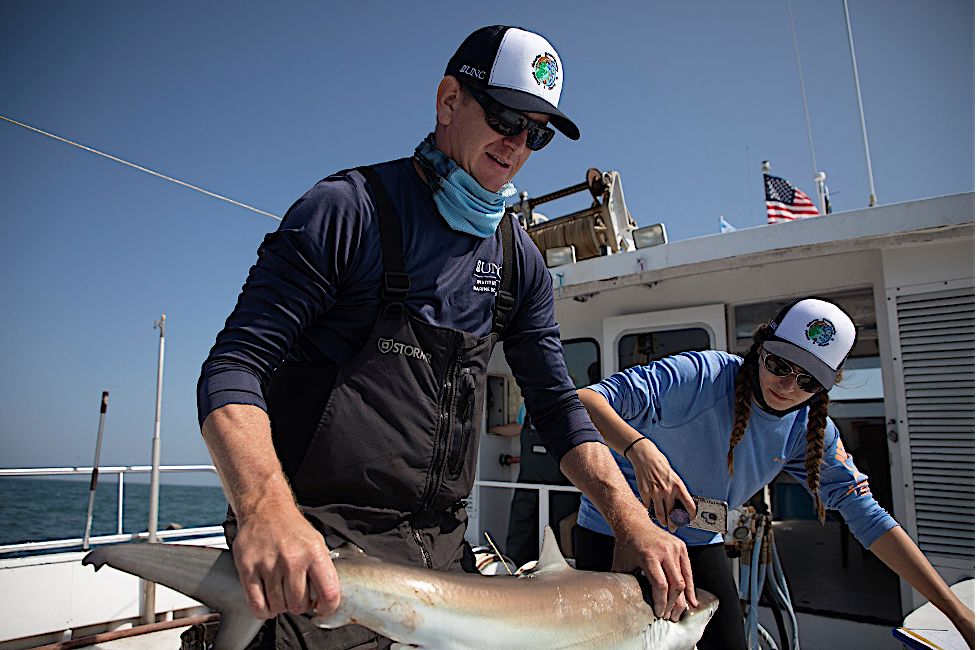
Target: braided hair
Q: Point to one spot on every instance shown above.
(817, 417)
(741, 404)
(746, 386)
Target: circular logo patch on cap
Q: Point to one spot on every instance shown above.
(546, 70)
(820, 331)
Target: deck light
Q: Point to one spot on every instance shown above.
(650, 236)
(561, 255)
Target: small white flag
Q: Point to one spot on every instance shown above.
(725, 226)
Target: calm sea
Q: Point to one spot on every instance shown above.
(34, 510)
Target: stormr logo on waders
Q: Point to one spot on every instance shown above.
(388, 346)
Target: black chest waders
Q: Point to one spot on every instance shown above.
(381, 451)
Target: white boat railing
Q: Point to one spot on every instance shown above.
(119, 536)
(542, 502)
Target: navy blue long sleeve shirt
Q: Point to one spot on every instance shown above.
(314, 295)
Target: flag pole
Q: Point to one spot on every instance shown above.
(819, 179)
(818, 176)
(872, 201)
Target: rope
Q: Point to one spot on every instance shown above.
(142, 169)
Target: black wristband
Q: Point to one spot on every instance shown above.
(633, 443)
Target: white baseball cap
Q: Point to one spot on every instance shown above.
(814, 334)
(515, 67)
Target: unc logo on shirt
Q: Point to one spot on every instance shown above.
(487, 276)
(389, 346)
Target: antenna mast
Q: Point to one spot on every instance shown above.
(818, 176)
(872, 201)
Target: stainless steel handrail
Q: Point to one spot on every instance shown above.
(48, 545)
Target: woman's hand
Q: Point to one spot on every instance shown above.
(658, 484)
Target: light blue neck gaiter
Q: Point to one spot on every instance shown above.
(465, 205)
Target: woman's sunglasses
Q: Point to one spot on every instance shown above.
(780, 368)
(508, 122)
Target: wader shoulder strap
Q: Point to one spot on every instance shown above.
(504, 300)
(396, 282)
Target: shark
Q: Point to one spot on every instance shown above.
(554, 606)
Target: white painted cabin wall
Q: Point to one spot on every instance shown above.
(922, 265)
(770, 280)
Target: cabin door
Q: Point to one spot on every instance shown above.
(637, 339)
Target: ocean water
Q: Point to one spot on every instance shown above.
(39, 509)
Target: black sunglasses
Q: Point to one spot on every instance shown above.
(780, 368)
(509, 122)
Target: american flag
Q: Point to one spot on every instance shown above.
(785, 202)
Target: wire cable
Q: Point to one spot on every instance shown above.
(142, 169)
(800, 75)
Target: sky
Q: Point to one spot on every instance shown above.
(259, 101)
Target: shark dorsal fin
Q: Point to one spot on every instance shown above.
(551, 559)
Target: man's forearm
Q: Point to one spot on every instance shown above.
(238, 437)
(593, 470)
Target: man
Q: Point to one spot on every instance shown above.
(385, 305)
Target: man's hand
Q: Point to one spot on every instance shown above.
(658, 484)
(664, 560)
(282, 560)
(640, 543)
(284, 565)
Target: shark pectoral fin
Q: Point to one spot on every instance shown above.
(338, 618)
(551, 559)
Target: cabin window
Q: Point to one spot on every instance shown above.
(583, 361)
(642, 348)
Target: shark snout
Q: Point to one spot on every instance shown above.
(707, 602)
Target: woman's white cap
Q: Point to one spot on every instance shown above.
(815, 335)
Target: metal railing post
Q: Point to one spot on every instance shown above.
(119, 506)
(149, 588)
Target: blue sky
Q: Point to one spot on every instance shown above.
(258, 101)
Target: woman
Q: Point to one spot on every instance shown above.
(714, 425)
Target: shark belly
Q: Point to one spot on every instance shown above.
(590, 610)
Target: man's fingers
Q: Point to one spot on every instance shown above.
(275, 594)
(296, 591)
(254, 591)
(678, 609)
(325, 587)
(659, 588)
(676, 587)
